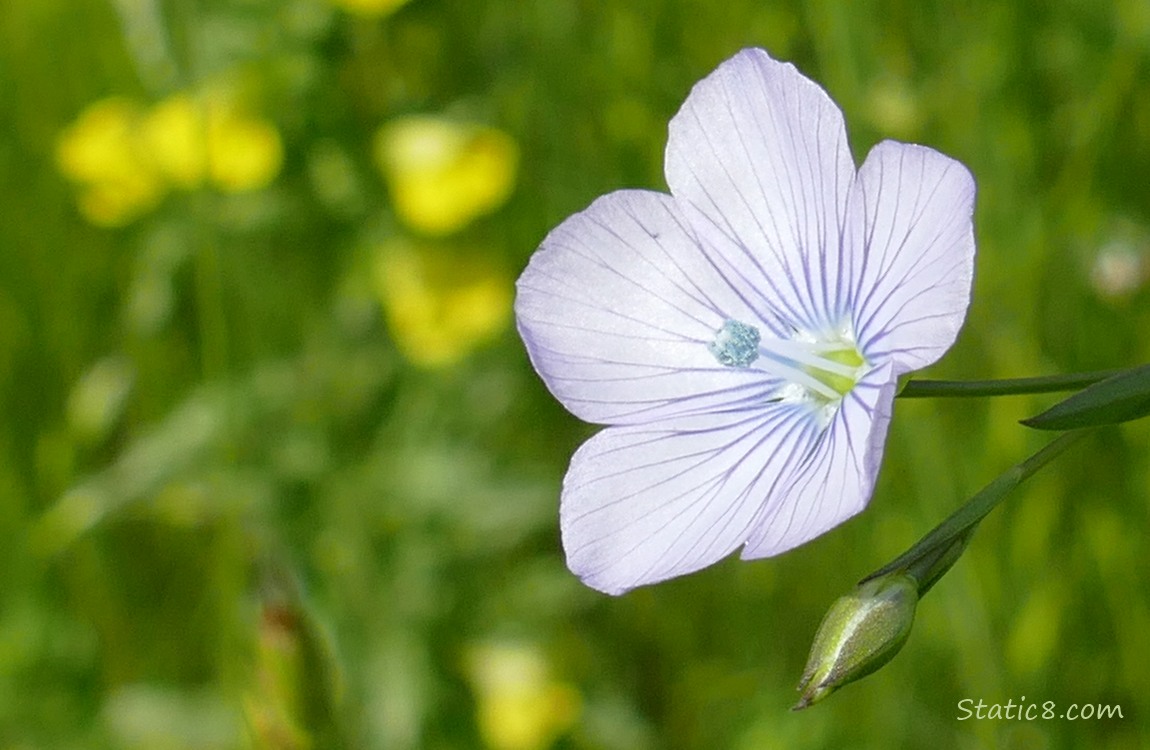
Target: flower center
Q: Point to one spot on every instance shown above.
(834, 378)
(820, 369)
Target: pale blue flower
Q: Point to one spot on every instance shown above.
(742, 337)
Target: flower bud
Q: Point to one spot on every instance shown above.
(861, 632)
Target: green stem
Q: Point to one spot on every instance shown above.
(211, 316)
(1007, 387)
(932, 555)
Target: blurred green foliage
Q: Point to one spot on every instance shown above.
(250, 498)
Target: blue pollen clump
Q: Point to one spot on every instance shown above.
(736, 344)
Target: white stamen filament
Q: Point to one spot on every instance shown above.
(807, 353)
(784, 371)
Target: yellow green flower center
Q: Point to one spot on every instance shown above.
(835, 378)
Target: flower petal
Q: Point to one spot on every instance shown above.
(643, 504)
(913, 244)
(617, 308)
(837, 477)
(760, 154)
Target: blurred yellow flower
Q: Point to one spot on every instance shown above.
(191, 139)
(443, 174)
(244, 153)
(519, 705)
(440, 308)
(99, 144)
(125, 159)
(174, 133)
(117, 203)
(100, 152)
(369, 7)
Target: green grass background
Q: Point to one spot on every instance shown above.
(275, 447)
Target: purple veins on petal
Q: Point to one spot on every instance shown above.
(742, 336)
(643, 503)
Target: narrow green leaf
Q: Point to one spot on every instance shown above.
(1120, 398)
(913, 388)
